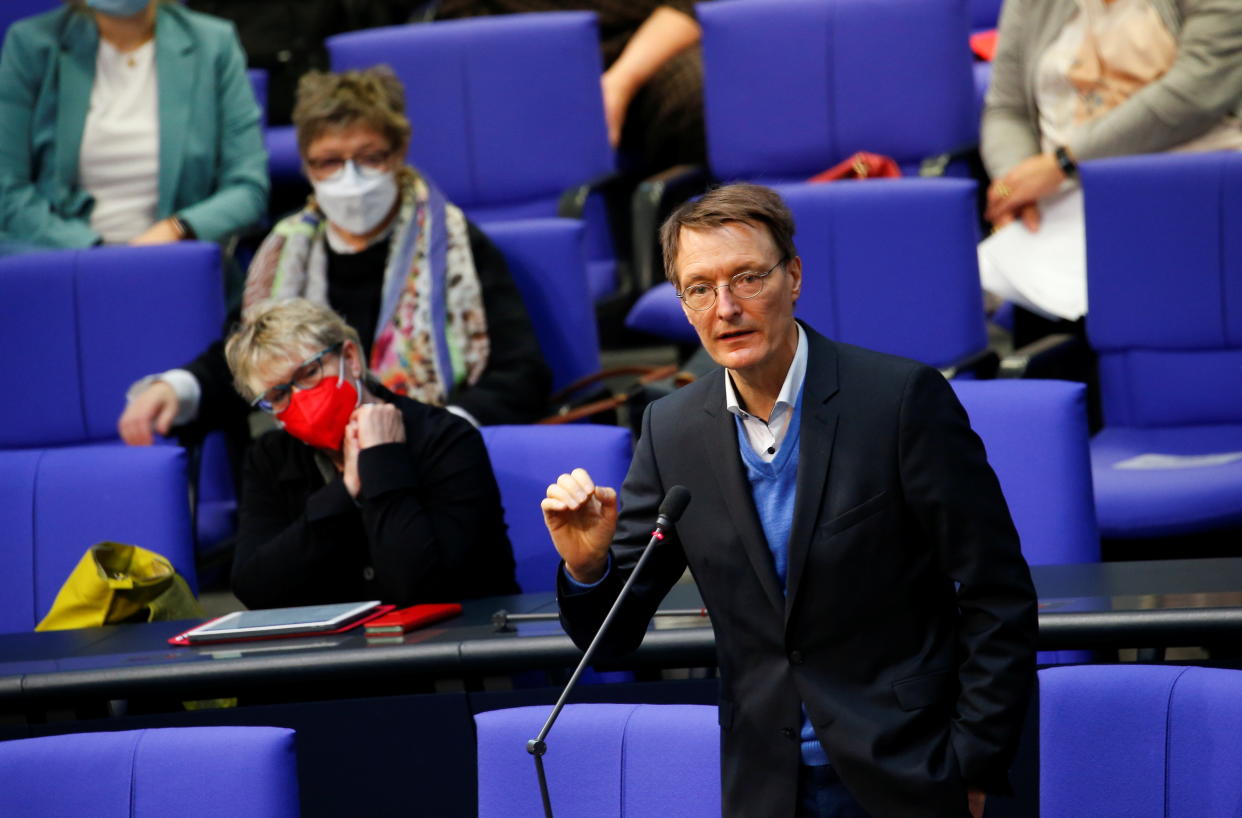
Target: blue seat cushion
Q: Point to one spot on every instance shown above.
(1169, 496)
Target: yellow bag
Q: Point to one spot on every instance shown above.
(114, 583)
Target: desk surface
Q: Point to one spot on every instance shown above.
(1106, 605)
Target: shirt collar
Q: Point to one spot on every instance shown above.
(789, 389)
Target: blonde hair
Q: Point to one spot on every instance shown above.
(327, 102)
(276, 329)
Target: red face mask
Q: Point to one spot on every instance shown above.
(318, 416)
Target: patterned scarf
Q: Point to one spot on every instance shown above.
(431, 336)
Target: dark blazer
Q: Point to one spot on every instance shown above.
(427, 527)
(909, 622)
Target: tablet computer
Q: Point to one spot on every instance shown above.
(280, 622)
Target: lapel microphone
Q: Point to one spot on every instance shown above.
(670, 511)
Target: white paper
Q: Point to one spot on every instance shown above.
(1177, 461)
(1044, 271)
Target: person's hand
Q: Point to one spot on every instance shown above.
(349, 459)
(378, 423)
(581, 518)
(152, 409)
(1025, 184)
(162, 232)
(1029, 214)
(618, 91)
(975, 799)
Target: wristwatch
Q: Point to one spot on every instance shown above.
(184, 231)
(1066, 162)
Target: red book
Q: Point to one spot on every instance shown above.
(411, 618)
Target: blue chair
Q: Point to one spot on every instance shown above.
(1035, 434)
(1164, 284)
(548, 264)
(13, 10)
(526, 459)
(95, 321)
(792, 87)
(1140, 742)
(190, 772)
(507, 115)
(888, 265)
(55, 503)
(625, 760)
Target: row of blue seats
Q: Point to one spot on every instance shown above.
(1124, 740)
(1165, 273)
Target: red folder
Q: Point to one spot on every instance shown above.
(411, 618)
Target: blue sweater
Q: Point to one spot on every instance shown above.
(774, 488)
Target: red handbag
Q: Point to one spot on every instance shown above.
(861, 165)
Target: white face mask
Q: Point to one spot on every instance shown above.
(357, 201)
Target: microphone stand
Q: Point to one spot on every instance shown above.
(538, 745)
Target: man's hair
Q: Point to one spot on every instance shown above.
(756, 205)
(279, 329)
(329, 102)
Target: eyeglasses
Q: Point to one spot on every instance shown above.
(275, 399)
(367, 164)
(743, 285)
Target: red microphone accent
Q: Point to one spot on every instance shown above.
(657, 534)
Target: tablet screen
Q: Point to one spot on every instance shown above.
(304, 619)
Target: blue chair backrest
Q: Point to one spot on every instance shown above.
(55, 503)
(891, 265)
(1164, 281)
(548, 264)
(627, 760)
(13, 10)
(83, 325)
(791, 87)
(526, 459)
(506, 110)
(1140, 741)
(190, 772)
(1035, 434)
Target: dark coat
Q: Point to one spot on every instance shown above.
(908, 626)
(428, 526)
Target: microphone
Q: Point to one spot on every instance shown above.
(670, 511)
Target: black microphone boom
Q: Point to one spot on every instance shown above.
(671, 509)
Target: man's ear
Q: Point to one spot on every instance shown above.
(794, 268)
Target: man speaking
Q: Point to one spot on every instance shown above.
(875, 621)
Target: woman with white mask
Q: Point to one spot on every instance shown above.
(126, 122)
(439, 316)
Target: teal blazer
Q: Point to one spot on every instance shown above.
(213, 166)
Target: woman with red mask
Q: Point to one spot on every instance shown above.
(361, 493)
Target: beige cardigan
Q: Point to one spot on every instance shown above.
(1203, 86)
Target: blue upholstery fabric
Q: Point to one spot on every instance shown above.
(546, 259)
(1164, 282)
(526, 459)
(1140, 742)
(13, 10)
(55, 503)
(603, 760)
(890, 265)
(791, 87)
(85, 324)
(1035, 434)
(189, 772)
(507, 112)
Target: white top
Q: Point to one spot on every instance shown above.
(766, 438)
(119, 163)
